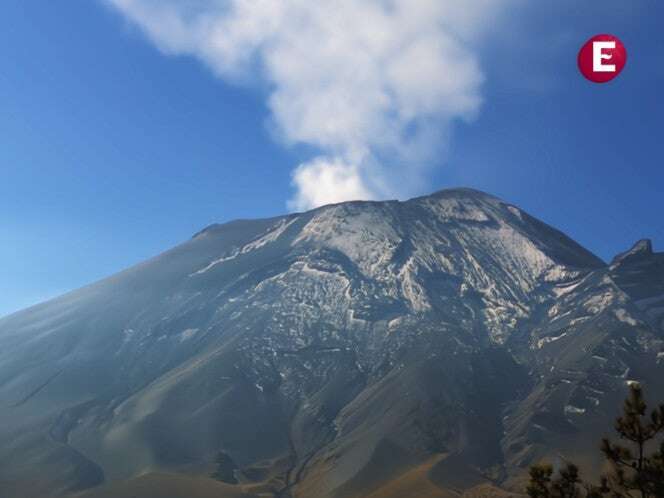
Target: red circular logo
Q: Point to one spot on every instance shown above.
(602, 58)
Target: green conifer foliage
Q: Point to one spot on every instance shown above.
(637, 470)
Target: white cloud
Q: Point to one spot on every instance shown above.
(375, 85)
(325, 181)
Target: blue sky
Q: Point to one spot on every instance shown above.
(112, 151)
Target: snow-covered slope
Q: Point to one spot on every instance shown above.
(330, 352)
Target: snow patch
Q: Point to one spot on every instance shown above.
(574, 409)
(623, 316)
(127, 334)
(454, 209)
(215, 263)
(366, 236)
(272, 234)
(598, 303)
(580, 319)
(561, 290)
(547, 340)
(187, 334)
(515, 211)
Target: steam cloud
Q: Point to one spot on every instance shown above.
(373, 85)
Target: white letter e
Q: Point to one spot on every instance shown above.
(599, 56)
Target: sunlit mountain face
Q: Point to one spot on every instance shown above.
(361, 350)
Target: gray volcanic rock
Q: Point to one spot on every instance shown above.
(334, 352)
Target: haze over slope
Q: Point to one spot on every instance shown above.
(357, 349)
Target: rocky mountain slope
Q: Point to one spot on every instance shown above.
(368, 349)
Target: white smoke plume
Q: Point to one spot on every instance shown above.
(373, 85)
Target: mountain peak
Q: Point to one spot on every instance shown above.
(640, 250)
(462, 192)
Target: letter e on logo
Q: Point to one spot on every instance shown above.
(602, 58)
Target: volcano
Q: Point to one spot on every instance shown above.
(435, 347)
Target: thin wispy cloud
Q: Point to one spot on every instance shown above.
(375, 86)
